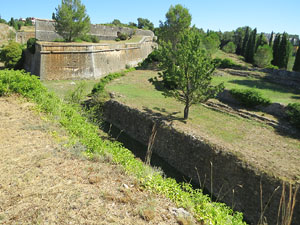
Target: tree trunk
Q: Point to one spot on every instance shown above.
(186, 112)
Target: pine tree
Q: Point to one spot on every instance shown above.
(276, 44)
(245, 41)
(297, 60)
(271, 40)
(284, 52)
(250, 49)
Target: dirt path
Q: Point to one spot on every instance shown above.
(43, 183)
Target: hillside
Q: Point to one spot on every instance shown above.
(6, 33)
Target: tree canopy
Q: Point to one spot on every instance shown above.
(71, 20)
(189, 68)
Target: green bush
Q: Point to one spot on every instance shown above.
(31, 45)
(263, 56)
(122, 36)
(230, 47)
(11, 55)
(249, 97)
(151, 58)
(227, 63)
(293, 113)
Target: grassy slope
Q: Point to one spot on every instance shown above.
(274, 92)
(259, 145)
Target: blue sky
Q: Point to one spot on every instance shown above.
(224, 15)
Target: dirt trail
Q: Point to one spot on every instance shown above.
(43, 183)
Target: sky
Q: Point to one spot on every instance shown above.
(225, 15)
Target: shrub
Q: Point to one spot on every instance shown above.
(229, 47)
(59, 40)
(31, 45)
(152, 57)
(249, 97)
(117, 39)
(122, 36)
(263, 56)
(227, 63)
(293, 113)
(11, 55)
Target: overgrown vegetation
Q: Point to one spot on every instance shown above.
(249, 97)
(69, 117)
(227, 63)
(31, 45)
(11, 55)
(293, 113)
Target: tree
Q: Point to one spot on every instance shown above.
(226, 37)
(178, 19)
(263, 56)
(2, 20)
(271, 39)
(250, 49)
(71, 20)
(11, 55)
(276, 52)
(284, 51)
(261, 41)
(28, 22)
(239, 35)
(229, 47)
(211, 42)
(190, 69)
(116, 22)
(245, 41)
(145, 24)
(296, 66)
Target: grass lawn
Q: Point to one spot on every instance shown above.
(259, 145)
(272, 91)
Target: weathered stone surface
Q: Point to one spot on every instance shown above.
(233, 180)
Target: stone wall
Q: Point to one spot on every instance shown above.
(63, 61)
(233, 180)
(22, 37)
(45, 31)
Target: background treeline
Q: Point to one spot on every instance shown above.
(17, 24)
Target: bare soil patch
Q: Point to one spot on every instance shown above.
(42, 182)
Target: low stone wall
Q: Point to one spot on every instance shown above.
(63, 61)
(22, 37)
(45, 31)
(233, 180)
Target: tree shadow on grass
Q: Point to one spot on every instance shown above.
(262, 84)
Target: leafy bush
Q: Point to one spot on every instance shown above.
(272, 67)
(117, 39)
(249, 97)
(293, 113)
(230, 47)
(152, 57)
(59, 40)
(122, 36)
(226, 63)
(263, 56)
(11, 55)
(31, 45)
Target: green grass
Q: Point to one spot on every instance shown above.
(274, 92)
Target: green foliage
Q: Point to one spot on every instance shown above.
(229, 47)
(250, 48)
(71, 20)
(151, 58)
(239, 36)
(226, 37)
(11, 55)
(178, 20)
(227, 63)
(245, 41)
(116, 22)
(263, 56)
(76, 96)
(122, 36)
(296, 66)
(276, 51)
(261, 41)
(284, 51)
(28, 22)
(293, 113)
(87, 134)
(145, 24)
(249, 97)
(211, 42)
(190, 69)
(15, 23)
(31, 45)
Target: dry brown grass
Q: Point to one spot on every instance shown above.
(44, 183)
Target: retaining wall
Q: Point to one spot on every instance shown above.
(233, 180)
(63, 61)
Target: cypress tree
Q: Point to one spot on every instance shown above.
(284, 52)
(276, 49)
(297, 60)
(250, 49)
(271, 39)
(245, 42)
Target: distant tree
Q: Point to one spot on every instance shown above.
(229, 47)
(53, 16)
(276, 52)
(239, 35)
(189, 68)
(261, 41)
(226, 37)
(245, 41)
(116, 22)
(178, 20)
(296, 66)
(2, 20)
(132, 24)
(284, 51)
(28, 22)
(250, 49)
(211, 42)
(71, 20)
(145, 24)
(11, 55)
(263, 56)
(271, 39)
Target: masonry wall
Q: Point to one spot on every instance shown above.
(45, 31)
(233, 180)
(63, 61)
(22, 37)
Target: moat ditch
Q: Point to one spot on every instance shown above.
(187, 158)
